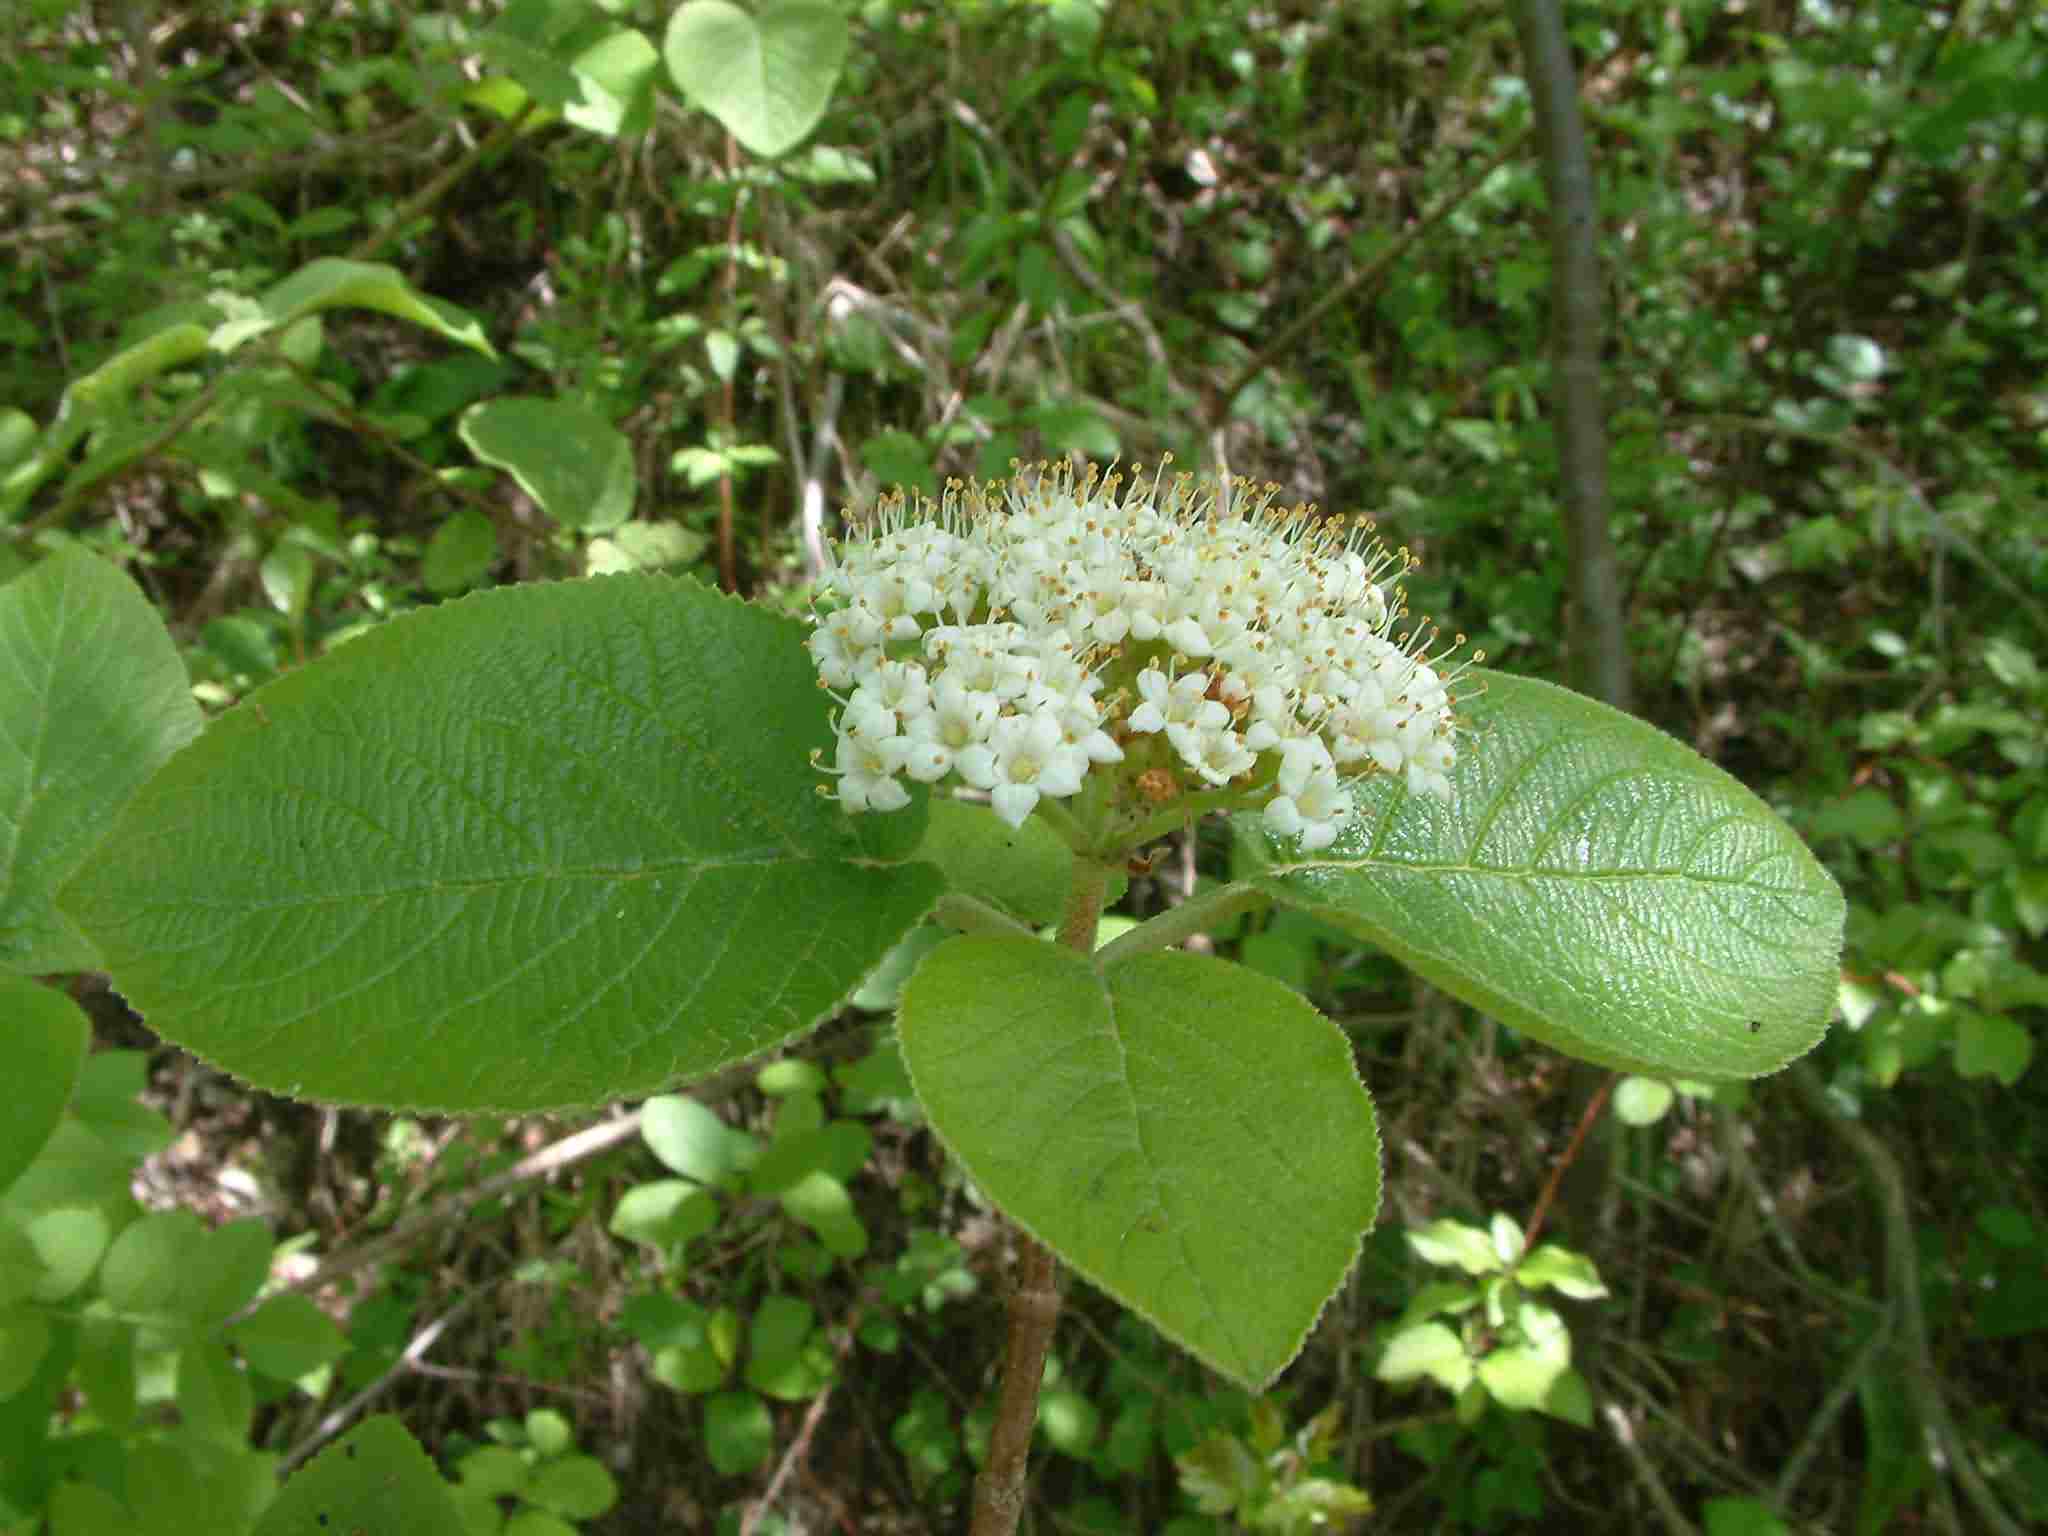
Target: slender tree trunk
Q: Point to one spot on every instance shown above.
(1597, 640)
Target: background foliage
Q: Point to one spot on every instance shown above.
(1304, 242)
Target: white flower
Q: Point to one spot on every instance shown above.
(1021, 636)
(1313, 802)
(1026, 756)
(1183, 701)
(957, 720)
(867, 769)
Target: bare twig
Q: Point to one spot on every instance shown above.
(1283, 341)
(335, 1422)
(1587, 1119)
(438, 1217)
(1624, 1433)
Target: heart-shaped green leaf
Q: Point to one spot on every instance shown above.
(544, 846)
(1594, 883)
(768, 76)
(1189, 1135)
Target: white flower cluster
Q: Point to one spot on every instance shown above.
(1050, 633)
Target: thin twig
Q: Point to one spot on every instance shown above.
(434, 190)
(1624, 1434)
(338, 1420)
(1284, 340)
(553, 1158)
(1587, 1120)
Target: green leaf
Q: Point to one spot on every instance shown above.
(1523, 1375)
(1570, 1274)
(1426, 1349)
(1070, 1421)
(1991, 1045)
(18, 434)
(496, 1471)
(766, 77)
(548, 1431)
(287, 1337)
(1220, 1474)
(688, 1136)
(1593, 883)
(96, 699)
(569, 459)
(1867, 817)
(1642, 1100)
(1189, 1136)
(644, 546)
(105, 1365)
(375, 1480)
(617, 76)
(80, 1509)
(821, 1202)
(47, 1035)
(105, 1103)
(1025, 870)
(69, 1241)
(775, 1357)
(1445, 1243)
(460, 554)
(664, 1213)
(334, 283)
(738, 1433)
(575, 1486)
(901, 460)
(1570, 1399)
(1075, 429)
(214, 1399)
(24, 1340)
(169, 1268)
(543, 846)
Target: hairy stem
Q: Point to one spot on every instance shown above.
(1198, 914)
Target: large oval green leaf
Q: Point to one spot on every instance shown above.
(541, 847)
(1593, 883)
(1189, 1135)
(96, 699)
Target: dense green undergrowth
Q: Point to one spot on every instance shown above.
(1303, 244)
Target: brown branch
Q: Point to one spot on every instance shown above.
(1034, 1309)
(1599, 643)
(1587, 1120)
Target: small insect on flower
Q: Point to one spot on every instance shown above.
(1105, 642)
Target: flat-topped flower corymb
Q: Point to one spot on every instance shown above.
(1135, 649)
